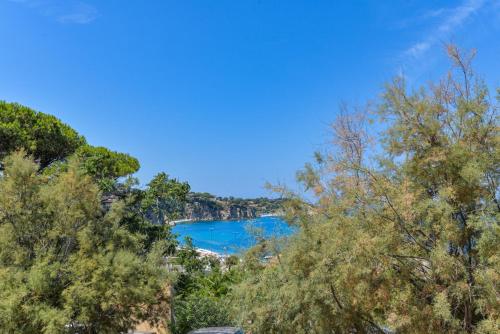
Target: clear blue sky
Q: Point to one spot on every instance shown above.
(226, 94)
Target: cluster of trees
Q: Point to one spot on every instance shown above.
(80, 247)
(260, 205)
(403, 241)
(42, 136)
(403, 236)
(50, 143)
(202, 290)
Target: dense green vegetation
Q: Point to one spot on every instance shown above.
(403, 234)
(407, 240)
(164, 198)
(65, 263)
(106, 166)
(79, 250)
(43, 136)
(202, 291)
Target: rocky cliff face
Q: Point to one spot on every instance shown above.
(203, 206)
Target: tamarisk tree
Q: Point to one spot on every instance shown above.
(406, 239)
(66, 264)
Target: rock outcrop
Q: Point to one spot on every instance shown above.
(204, 206)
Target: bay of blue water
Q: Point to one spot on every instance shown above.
(231, 236)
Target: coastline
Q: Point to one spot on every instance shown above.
(190, 220)
(206, 252)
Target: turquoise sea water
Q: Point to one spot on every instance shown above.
(233, 236)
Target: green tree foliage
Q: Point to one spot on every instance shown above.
(146, 211)
(164, 198)
(72, 260)
(52, 142)
(67, 265)
(137, 221)
(106, 166)
(406, 241)
(41, 135)
(202, 291)
(190, 259)
(199, 311)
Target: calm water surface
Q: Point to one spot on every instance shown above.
(229, 237)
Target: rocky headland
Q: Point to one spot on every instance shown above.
(205, 206)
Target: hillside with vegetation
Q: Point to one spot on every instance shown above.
(205, 206)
